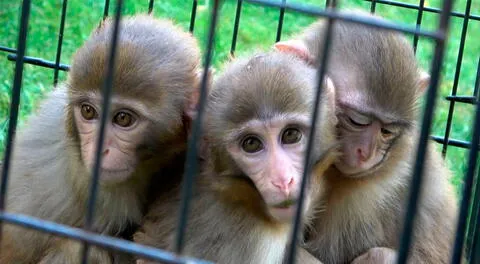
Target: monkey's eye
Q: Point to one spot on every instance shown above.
(291, 136)
(357, 123)
(123, 119)
(251, 144)
(386, 132)
(88, 112)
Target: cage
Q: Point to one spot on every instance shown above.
(443, 34)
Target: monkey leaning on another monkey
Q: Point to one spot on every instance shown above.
(154, 96)
(378, 84)
(256, 130)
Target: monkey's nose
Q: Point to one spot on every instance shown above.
(284, 185)
(362, 155)
(105, 152)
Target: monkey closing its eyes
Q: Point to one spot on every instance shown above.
(378, 84)
(154, 94)
(257, 127)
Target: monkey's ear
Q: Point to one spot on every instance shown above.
(295, 47)
(329, 89)
(424, 82)
(192, 104)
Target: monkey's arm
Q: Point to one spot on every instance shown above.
(68, 251)
(303, 256)
(377, 255)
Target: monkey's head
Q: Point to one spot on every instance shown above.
(258, 121)
(153, 94)
(378, 83)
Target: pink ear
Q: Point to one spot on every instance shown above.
(295, 47)
(424, 82)
(192, 103)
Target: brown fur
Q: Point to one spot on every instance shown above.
(366, 212)
(228, 220)
(156, 63)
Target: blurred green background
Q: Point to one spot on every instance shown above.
(258, 28)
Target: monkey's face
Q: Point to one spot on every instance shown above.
(125, 131)
(365, 142)
(271, 154)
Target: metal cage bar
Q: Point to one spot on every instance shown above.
(457, 76)
(416, 181)
(150, 6)
(467, 189)
(90, 238)
(106, 96)
(421, 5)
(307, 161)
(191, 157)
(56, 67)
(14, 104)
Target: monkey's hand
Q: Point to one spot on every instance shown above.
(68, 251)
(377, 255)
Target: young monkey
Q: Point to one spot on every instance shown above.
(377, 82)
(154, 91)
(257, 124)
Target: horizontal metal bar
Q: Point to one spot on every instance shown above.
(39, 62)
(428, 9)
(453, 142)
(462, 99)
(315, 11)
(96, 239)
(7, 49)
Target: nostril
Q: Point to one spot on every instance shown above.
(361, 155)
(290, 183)
(105, 152)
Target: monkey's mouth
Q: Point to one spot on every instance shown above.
(285, 204)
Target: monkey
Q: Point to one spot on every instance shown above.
(154, 93)
(378, 85)
(256, 128)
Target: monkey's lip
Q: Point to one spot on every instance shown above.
(285, 204)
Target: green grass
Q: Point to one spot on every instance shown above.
(257, 31)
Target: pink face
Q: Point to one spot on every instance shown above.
(271, 154)
(124, 133)
(365, 142)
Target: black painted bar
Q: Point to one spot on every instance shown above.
(296, 230)
(39, 62)
(235, 26)
(60, 42)
(457, 75)
(191, 163)
(193, 15)
(280, 21)
(106, 94)
(16, 89)
(421, 6)
(416, 182)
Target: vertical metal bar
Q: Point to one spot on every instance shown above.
(17, 85)
(191, 158)
(60, 42)
(477, 80)
(324, 52)
(106, 8)
(150, 6)
(373, 6)
(280, 21)
(106, 94)
(476, 243)
(467, 189)
(193, 15)
(417, 178)
(235, 26)
(475, 208)
(457, 77)
(421, 4)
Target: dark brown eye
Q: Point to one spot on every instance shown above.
(291, 136)
(252, 144)
(88, 112)
(123, 119)
(386, 132)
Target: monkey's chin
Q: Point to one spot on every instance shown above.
(114, 176)
(283, 214)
